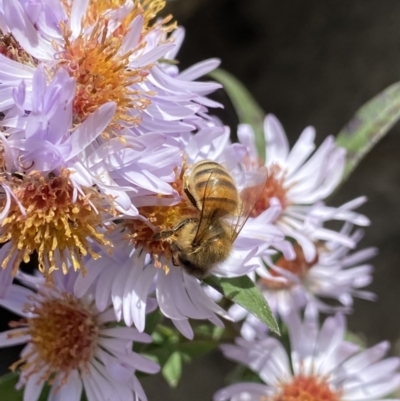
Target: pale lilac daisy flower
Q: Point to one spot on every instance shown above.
(128, 278)
(71, 345)
(337, 274)
(48, 203)
(114, 53)
(132, 170)
(131, 274)
(44, 140)
(153, 99)
(298, 181)
(322, 365)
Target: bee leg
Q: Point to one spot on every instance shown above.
(167, 233)
(190, 197)
(175, 249)
(162, 234)
(174, 261)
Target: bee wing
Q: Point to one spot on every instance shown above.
(248, 199)
(210, 202)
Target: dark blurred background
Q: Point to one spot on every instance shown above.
(311, 63)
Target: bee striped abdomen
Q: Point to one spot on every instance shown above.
(212, 188)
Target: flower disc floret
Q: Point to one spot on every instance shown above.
(71, 345)
(161, 218)
(148, 8)
(275, 187)
(297, 266)
(11, 49)
(316, 364)
(299, 181)
(306, 388)
(102, 74)
(48, 218)
(63, 334)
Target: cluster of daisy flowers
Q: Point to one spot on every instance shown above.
(100, 130)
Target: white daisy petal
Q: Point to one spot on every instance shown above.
(71, 390)
(13, 337)
(33, 387)
(106, 351)
(321, 362)
(248, 391)
(184, 327)
(276, 141)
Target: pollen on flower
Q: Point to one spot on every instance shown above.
(102, 75)
(305, 388)
(163, 219)
(298, 266)
(149, 9)
(101, 70)
(274, 188)
(11, 49)
(63, 333)
(49, 221)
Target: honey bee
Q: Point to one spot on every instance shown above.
(199, 244)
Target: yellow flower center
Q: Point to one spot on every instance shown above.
(64, 335)
(148, 8)
(94, 60)
(54, 225)
(305, 388)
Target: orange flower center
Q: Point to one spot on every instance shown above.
(102, 75)
(163, 218)
(274, 188)
(64, 335)
(298, 266)
(101, 70)
(305, 388)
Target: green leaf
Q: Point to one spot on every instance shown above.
(179, 353)
(245, 293)
(208, 331)
(195, 348)
(243, 374)
(7, 388)
(170, 349)
(247, 109)
(172, 369)
(371, 122)
(152, 320)
(9, 393)
(356, 338)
